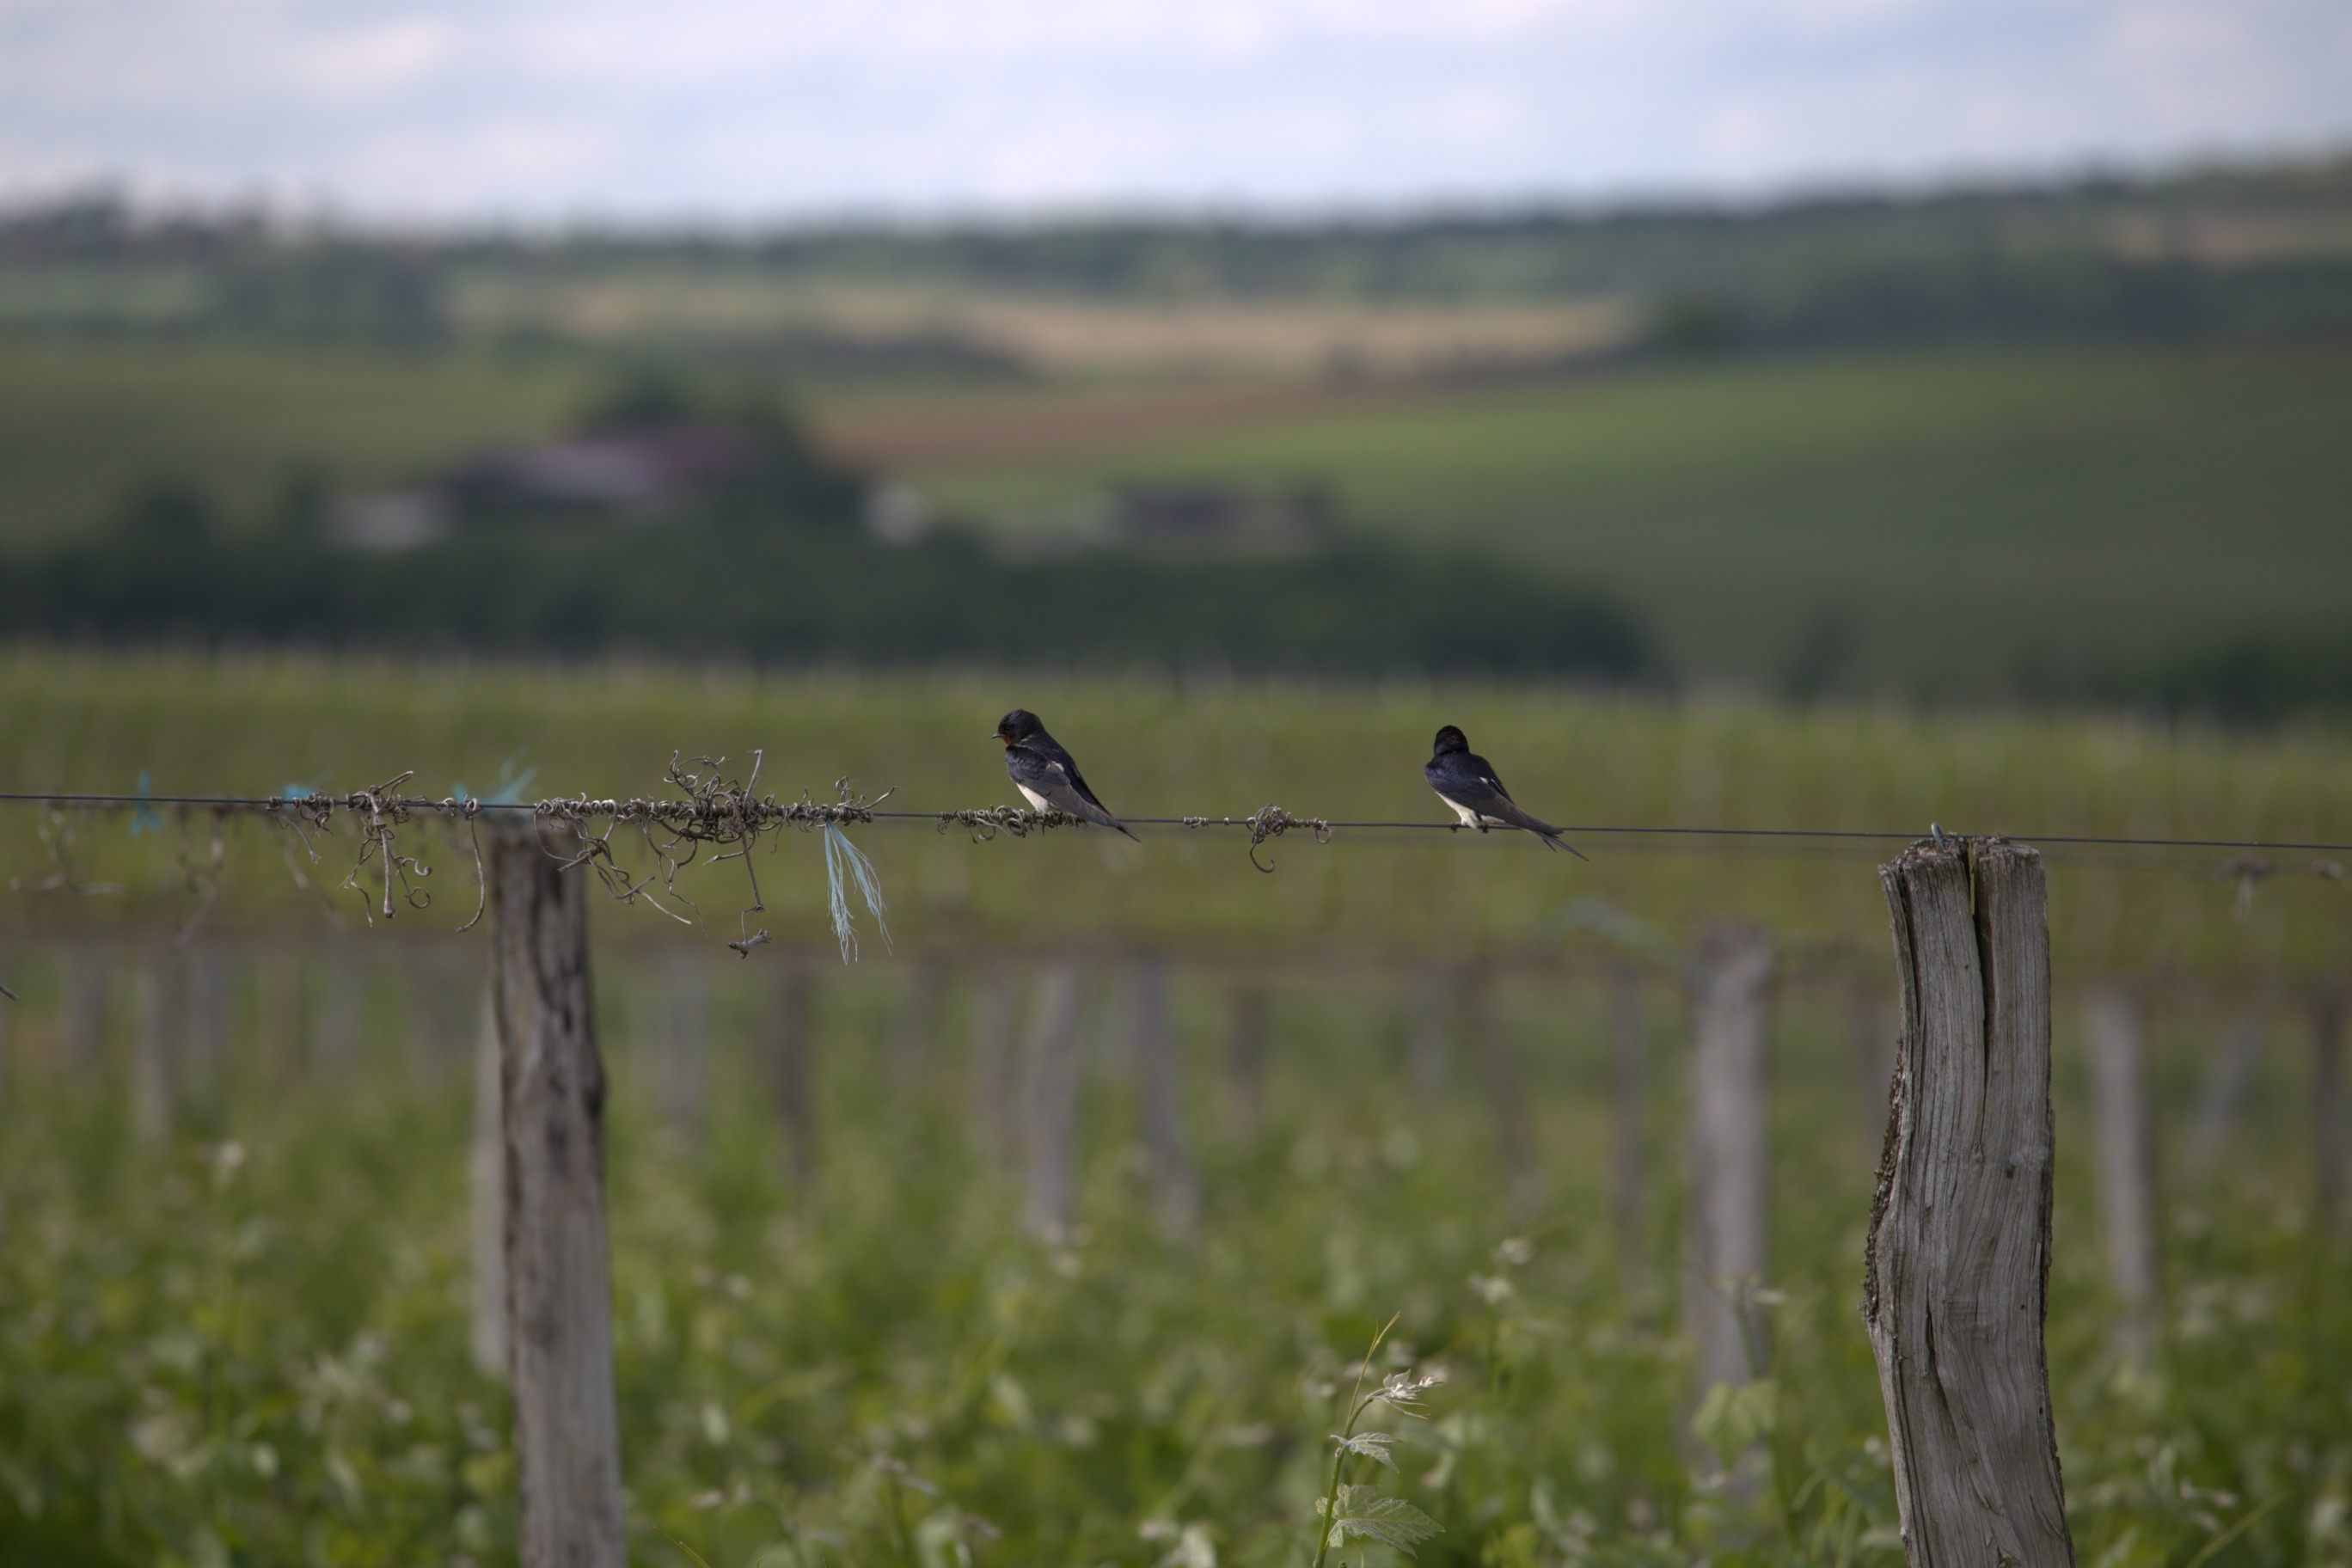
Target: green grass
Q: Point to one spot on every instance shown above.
(1973, 512)
(1158, 748)
(83, 425)
(209, 1359)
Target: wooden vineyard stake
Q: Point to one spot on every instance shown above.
(1175, 1184)
(1730, 1151)
(487, 1177)
(2115, 1035)
(81, 1031)
(994, 1102)
(340, 1011)
(558, 1269)
(794, 1086)
(1245, 1060)
(1628, 1076)
(151, 1087)
(1049, 1109)
(915, 1030)
(1429, 1053)
(2328, 1129)
(1958, 1262)
(1506, 1099)
(683, 1047)
(2225, 1089)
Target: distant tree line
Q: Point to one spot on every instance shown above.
(2226, 252)
(772, 562)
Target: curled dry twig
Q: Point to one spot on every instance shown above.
(709, 816)
(1272, 821)
(986, 822)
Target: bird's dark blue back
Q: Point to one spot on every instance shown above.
(1463, 774)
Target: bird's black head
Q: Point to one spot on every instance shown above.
(1018, 726)
(1450, 740)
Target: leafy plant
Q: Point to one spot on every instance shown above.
(1359, 1510)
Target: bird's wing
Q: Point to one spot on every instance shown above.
(1057, 779)
(1478, 786)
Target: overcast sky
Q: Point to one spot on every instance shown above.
(561, 109)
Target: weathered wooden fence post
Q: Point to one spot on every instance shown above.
(1160, 1087)
(1050, 1099)
(2115, 1038)
(1958, 1262)
(486, 1173)
(2328, 1109)
(558, 1269)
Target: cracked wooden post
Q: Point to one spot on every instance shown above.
(1956, 1271)
(558, 1270)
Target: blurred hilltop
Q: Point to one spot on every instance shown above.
(2247, 250)
(2070, 442)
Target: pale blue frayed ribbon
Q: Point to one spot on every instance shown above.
(840, 852)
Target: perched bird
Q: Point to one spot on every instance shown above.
(1467, 782)
(1046, 776)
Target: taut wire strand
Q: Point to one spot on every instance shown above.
(733, 806)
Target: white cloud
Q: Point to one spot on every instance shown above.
(456, 108)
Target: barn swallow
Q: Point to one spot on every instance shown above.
(1046, 776)
(1467, 782)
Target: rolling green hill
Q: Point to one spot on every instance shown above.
(1954, 521)
(1980, 523)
